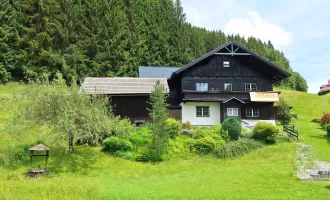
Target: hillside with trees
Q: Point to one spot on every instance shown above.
(82, 38)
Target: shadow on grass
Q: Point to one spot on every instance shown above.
(81, 161)
(325, 137)
(327, 187)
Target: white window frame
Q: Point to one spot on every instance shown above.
(250, 87)
(202, 111)
(231, 113)
(202, 87)
(254, 112)
(226, 63)
(231, 87)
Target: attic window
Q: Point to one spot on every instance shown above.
(226, 64)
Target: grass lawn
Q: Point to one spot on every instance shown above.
(267, 173)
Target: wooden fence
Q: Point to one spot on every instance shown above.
(290, 130)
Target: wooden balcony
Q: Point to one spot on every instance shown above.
(214, 95)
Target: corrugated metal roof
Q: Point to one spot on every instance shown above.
(282, 71)
(156, 72)
(124, 85)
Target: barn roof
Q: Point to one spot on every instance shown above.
(233, 48)
(156, 72)
(120, 86)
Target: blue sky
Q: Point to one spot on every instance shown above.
(301, 29)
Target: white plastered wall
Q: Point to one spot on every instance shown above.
(189, 113)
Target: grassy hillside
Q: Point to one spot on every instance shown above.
(267, 173)
(309, 107)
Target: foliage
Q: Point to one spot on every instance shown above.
(124, 129)
(187, 125)
(113, 144)
(76, 117)
(141, 137)
(237, 148)
(323, 92)
(283, 112)
(328, 130)
(233, 126)
(158, 115)
(38, 37)
(173, 128)
(143, 155)
(246, 133)
(205, 145)
(265, 131)
(325, 120)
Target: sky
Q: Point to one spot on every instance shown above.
(301, 29)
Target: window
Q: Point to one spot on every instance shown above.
(232, 112)
(202, 87)
(202, 111)
(252, 112)
(226, 64)
(228, 87)
(250, 87)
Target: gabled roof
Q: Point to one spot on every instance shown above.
(233, 98)
(233, 48)
(121, 86)
(156, 72)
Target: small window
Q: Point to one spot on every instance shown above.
(202, 111)
(228, 87)
(250, 87)
(232, 112)
(226, 64)
(202, 87)
(252, 112)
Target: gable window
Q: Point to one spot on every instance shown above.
(202, 111)
(232, 112)
(228, 87)
(250, 87)
(202, 87)
(252, 112)
(226, 64)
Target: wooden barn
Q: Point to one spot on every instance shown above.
(229, 81)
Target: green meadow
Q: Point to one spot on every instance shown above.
(267, 173)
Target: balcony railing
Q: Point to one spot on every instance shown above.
(214, 95)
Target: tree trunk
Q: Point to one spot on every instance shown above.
(71, 142)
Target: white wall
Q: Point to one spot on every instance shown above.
(253, 122)
(189, 113)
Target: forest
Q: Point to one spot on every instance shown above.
(81, 38)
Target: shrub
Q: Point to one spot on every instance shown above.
(205, 145)
(325, 120)
(283, 112)
(173, 128)
(124, 129)
(233, 126)
(265, 132)
(199, 133)
(143, 155)
(246, 133)
(324, 92)
(141, 137)
(237, 148)
(188, 132)
(187, 125)
(328, 130)
(113, 144)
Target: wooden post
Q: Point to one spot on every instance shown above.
(47, 154)
(31, 154)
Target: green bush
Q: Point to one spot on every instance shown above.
(237, 148)
(188, 132)
(124, 129)
(324, 92)
(141, 137)
(173, 127)
(264, 131)
(143, 155)
(233, 126)
(205, 145)
(246, 133)
(283, 112)
(187, 125)
(328, 130)
(113, 144)
(199, 133)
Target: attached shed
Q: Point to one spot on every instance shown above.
(129, 96)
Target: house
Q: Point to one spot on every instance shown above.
(229, 81)
(325, 87)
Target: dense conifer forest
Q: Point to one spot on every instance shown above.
(82, 38)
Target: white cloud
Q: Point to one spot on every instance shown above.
(254, 25)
